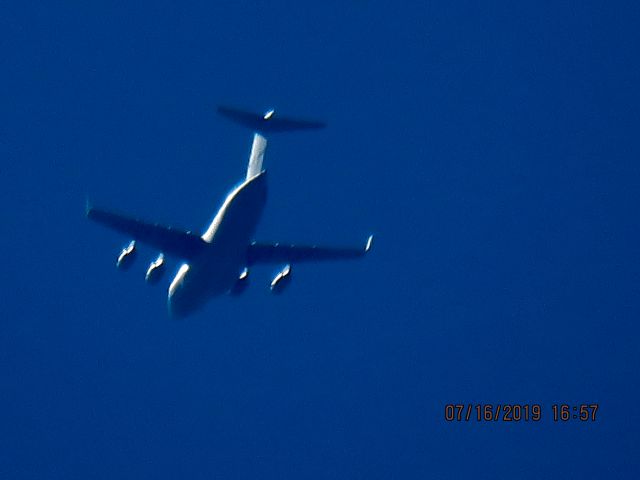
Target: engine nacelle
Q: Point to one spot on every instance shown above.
(241, 283)
(156, 270)
(127, 256)
(281, 280)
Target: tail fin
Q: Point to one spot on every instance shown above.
(257, 155)
(262, 125)
(269, 122)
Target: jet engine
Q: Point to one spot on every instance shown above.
(242, 283)
(156, 270)
(281, 280)
(127, 256)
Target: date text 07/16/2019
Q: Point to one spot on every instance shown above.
(500, 412)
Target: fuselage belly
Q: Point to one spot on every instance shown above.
(216, 270)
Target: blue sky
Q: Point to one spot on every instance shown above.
(493, 150)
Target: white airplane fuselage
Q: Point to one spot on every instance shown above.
(216, 269)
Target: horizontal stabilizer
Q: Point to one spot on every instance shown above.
(268, 122)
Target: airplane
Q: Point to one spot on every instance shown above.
(218, 261)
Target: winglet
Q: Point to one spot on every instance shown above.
(369, 244)
(268, 122)
(88, 207)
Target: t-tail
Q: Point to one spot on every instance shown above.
(269, 122)
(263, 124)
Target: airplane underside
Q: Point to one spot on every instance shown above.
(217, 262)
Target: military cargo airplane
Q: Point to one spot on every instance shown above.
(218, 261)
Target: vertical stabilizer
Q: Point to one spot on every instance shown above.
(263, 124)
(257, 155)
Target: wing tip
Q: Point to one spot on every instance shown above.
(368, 244)
(88, 207)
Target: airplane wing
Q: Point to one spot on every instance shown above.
(181, 244)
(279, 253)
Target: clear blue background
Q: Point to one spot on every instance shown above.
(492, 147)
